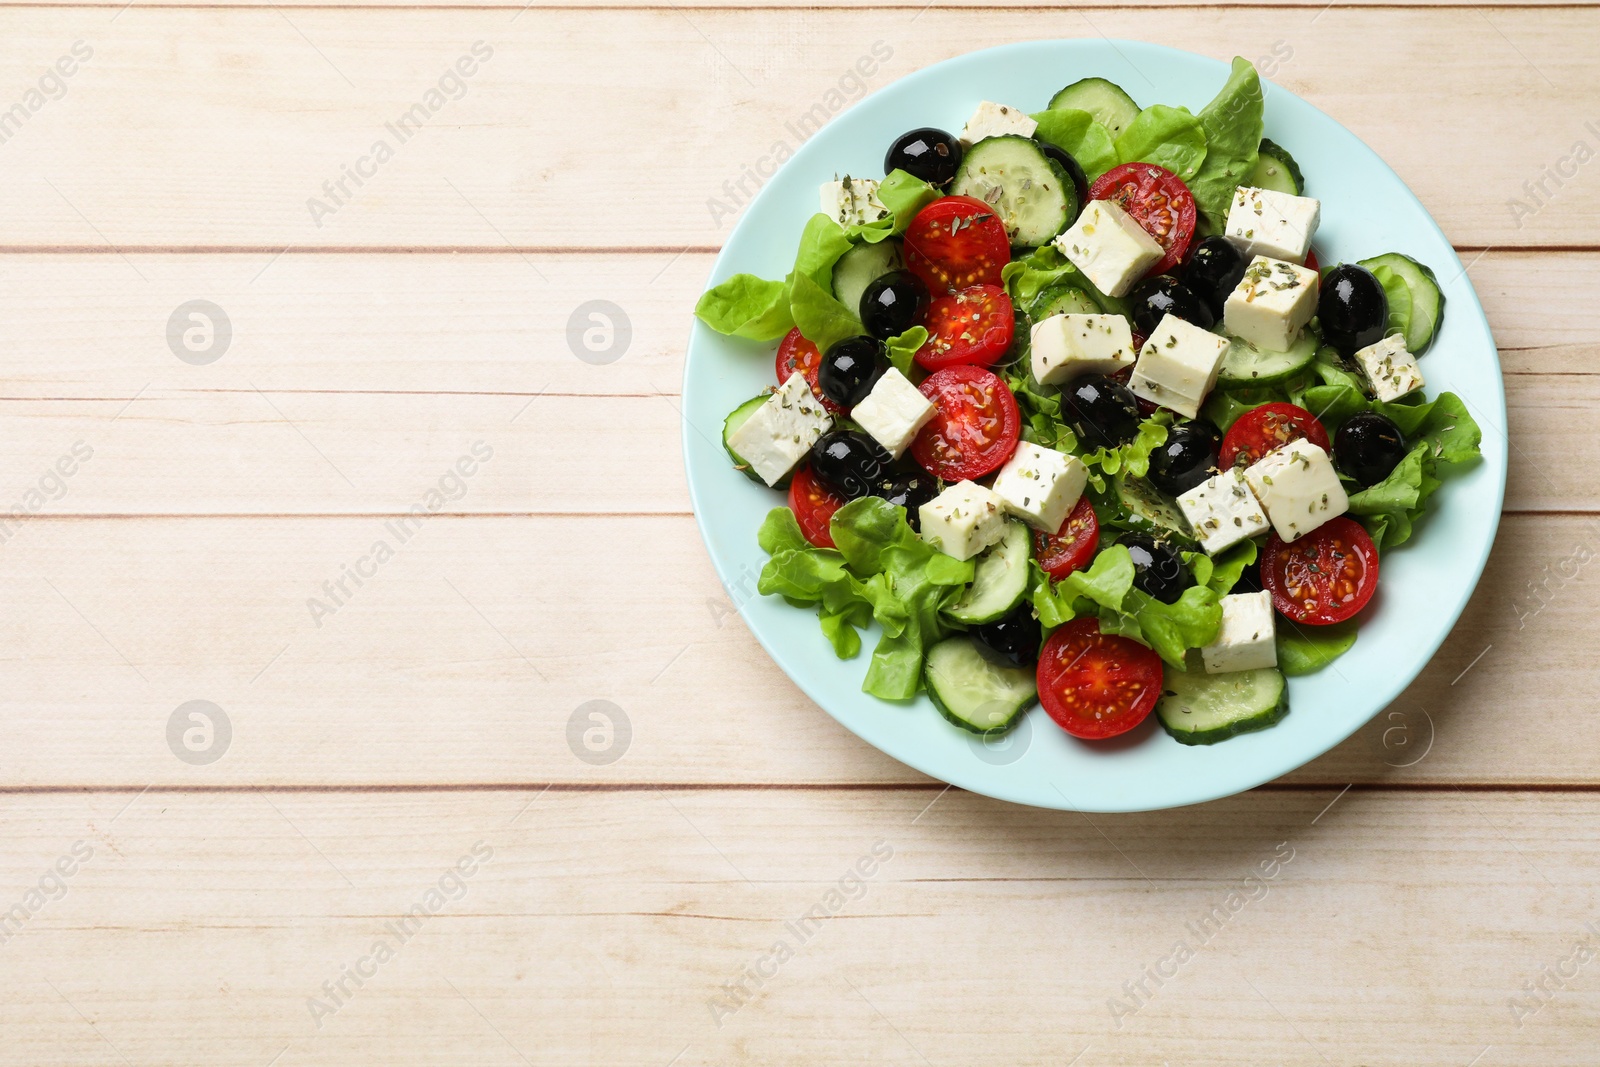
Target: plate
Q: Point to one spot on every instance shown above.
(1366, 210)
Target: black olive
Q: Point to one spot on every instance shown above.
(1014, 636)
(909, 491)
(892, 304)
(850, 368)
(929, 154)
(849, 462)
(1102, 412)
(1155, 298)
(1215, 268)
(1080, 180)
(1157, 567)
(1368, 447)
(1186, 458)
(1352, 308)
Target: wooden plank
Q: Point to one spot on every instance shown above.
(607, 928)
(465, 656)
(701, 97)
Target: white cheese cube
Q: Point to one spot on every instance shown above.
(1067, 346)
(782, 430)
(963, 520)
(1265, 222)
(996, 120)
(1223, 511)
(1271, 303)
(1297, 486)
(1246, 640)
(893, 412)
(1391, 371)
(1040, 485)
(1110, 248)
(852, 201)
(1178, 365)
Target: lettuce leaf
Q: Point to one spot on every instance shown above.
(1105, 584)
(1132, 458)
(747, 306)
(902, 347)
(1080, 136)
(904, 195)
(822, 242)
(1303, 649)
(1169, 137)
(1026, 279)
(1233, 127)
(1442, 434)
(822, 320)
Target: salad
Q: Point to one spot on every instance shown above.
(1067, 406)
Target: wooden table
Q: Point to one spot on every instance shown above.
(411, 731)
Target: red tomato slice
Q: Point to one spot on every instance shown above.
(1260, 430)
(954, 242)
(795, 353)
(1097, 685)
(1325, 577)
(974, 428)
(973, 326)
(1072, 547)
(1158, 200)
(1311, 260)
(813, 505)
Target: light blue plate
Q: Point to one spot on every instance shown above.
(1366, 210)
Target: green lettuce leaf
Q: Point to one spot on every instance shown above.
(1399, 294)
(1443, 434)
(1169, 137)
(1303, 649)
(1132, 458)
(904, 195)
(1026, 279)
(1233, 128)
(1104, 585)
(1080, 136)
(822, 242)
(822, 320)
(1221, 573)
(902, 347)
(747, 306)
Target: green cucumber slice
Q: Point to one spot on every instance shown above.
(1030, 192)
(1244, 365)
(1276, 169)
(1063, 300)
(862, 265)
(1202, 709)
(737, 418)
(999, 579)
(1110, 106)
(1422, 324)
(1151, 510)
(975, 689)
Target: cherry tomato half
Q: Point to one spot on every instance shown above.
(954, 242)
(1072, 547)
(975, 424)
(813, 505)
(1156, 199)
(973, 326)
(795, 353)
(1260, 430)
(1324, 577)
(1311, 260)
(1096, 685)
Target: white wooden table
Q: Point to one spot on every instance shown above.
(213, 890)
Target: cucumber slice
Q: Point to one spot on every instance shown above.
(1427, 299)
(1276, 169)
(999, 579)
(1151, 510)
(1030, 192)
(975, 689)
(1110, 106)
(860, 266)
(1244, 365)
(1202, 709)
(737, 418)
(1063, 300)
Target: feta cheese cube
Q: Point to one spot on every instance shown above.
(893, 412)
(852, 201)
(1178, 365)
(963, 520)
(996, 120)
(1271, 303)
(1110, 248)
(1246, 640)
(1223, 511)
(1067, 346)
(1040, 485)
(1265, 222)
(1391, 371)
(1297, 486)
(782, 430)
